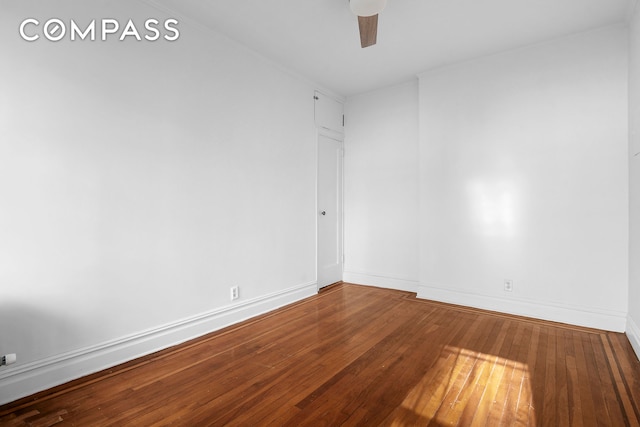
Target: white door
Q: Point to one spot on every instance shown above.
(329, 211)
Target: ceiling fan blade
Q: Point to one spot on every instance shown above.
(368, 30)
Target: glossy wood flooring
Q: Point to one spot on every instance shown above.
(356, 355)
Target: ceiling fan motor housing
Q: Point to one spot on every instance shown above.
(367, 7)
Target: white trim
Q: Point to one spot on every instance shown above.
(633, 333)
(380, 281)
(572, 314)
(19, 381)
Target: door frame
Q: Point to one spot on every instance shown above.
(338, 137)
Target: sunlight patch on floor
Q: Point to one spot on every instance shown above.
(474, 389)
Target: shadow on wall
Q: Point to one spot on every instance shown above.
(32, 333)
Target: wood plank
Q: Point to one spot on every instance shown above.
(549, 402)
(474, 408)
(518, 399)
(625, 374)
(489, 399)
(573, 382)
(561, 387)
(589, 416)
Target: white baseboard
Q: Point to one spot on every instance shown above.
(572, 314)
(380, 281)
(18, 381)
(633, 333)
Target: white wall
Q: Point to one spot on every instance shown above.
(138, 182)
(633, 325)
(381, 188)
(523, 174)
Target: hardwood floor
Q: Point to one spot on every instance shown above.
(356, 355)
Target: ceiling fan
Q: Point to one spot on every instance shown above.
(367, 12)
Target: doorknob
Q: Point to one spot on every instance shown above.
(323, 212)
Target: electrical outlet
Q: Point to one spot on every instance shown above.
(235, 292)
(8, 359)
(508, 285)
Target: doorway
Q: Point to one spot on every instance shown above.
(330, 165)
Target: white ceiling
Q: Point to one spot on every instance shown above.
(319, 38)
